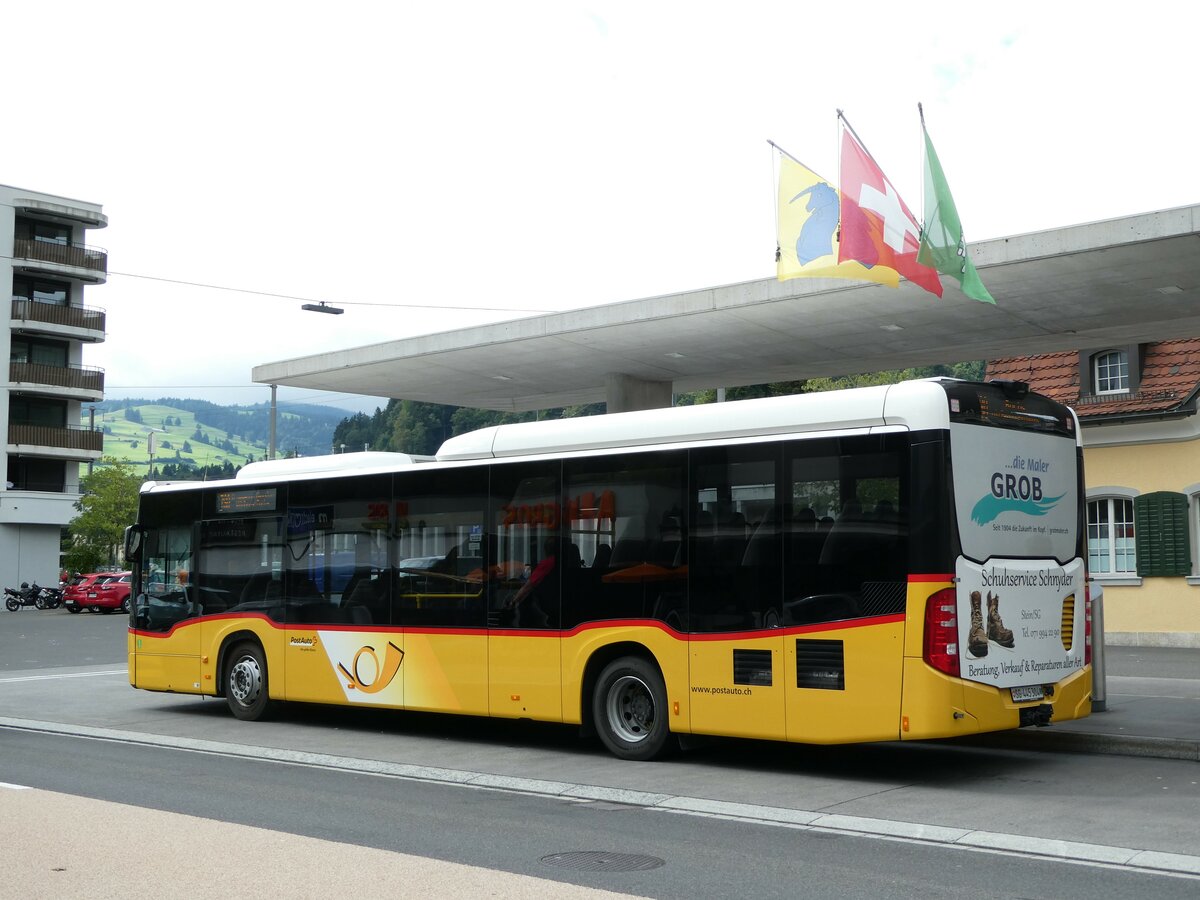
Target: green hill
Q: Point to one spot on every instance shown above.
(178, 436)
(196, 434)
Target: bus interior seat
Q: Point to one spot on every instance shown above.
(260, 587)
(367, 602)
(628, 552)
(602, 558)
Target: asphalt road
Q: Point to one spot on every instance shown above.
(685, 856)
(728, 816)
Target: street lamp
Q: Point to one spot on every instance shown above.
(323, 307)
(151, 445)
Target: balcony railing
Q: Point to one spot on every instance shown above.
(67, 437)
(89, 317)
(77, 255)
(83, 378)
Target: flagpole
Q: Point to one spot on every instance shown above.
(775, 199)
(796, 161)
(846, 122)
(924, 190)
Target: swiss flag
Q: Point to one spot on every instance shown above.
(877, 228)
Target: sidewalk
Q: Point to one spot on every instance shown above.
(1152, 709)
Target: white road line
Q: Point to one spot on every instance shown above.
(968, 839)
(63, 675)
(14, 787)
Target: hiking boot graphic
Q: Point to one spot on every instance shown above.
(995, 629)
(977, 639)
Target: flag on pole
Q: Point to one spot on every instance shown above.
(877, 228)
(808, 223)
(942, 243)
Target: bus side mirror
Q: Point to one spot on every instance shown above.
(133, 540)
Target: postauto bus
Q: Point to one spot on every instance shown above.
(888, 563)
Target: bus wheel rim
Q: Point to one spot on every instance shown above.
(245, 680)
(630, 708)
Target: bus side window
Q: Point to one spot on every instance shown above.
(625, 515)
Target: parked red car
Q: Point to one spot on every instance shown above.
(99, 592)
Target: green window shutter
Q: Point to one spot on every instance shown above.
(1161, 529)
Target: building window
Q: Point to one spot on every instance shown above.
(36, 411)
(1111, 372)
(33, 474)
(41, 290)
(1111, 547)
(43, 232)
(45, 353)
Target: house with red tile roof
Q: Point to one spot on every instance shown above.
(1137, 408)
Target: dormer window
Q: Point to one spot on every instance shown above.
(1111, 372)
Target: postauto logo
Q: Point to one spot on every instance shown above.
(1013, 493)
(380, 675)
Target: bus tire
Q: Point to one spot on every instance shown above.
(246, 687)
(629, 709)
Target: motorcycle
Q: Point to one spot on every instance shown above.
(26, 596)
(52, 597)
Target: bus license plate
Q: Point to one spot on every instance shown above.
(1026, 692)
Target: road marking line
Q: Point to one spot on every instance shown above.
(14, 787)
(1125, 858)
(62, 675)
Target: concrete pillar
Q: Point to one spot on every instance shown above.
(625, 393)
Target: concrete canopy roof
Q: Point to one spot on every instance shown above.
(1088, 286)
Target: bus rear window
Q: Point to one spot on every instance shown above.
(1007, 404)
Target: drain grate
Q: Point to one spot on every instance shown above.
(599, 861)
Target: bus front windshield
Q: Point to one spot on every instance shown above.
(166, 565)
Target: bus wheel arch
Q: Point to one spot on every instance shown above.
(245, 680)
(625, 703)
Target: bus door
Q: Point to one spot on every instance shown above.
(441, 565)
(340, 644)
(845, 587)
(525, 596)
(237, 573)
(736, 660)
(166, 642)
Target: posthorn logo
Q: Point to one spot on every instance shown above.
(380, 675)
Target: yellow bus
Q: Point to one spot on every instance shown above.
(888, 563)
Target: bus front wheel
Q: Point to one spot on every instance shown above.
(629, 708)
(246, 682)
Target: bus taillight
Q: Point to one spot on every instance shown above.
(941, 632)
(1087, 624)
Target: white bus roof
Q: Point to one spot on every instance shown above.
(911, 404)
(340, 462)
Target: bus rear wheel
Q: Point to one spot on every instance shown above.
(246, 682)
(629, 708)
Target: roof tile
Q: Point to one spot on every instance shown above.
(1170, 375)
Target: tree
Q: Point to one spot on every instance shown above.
(420, 428)
(108, 504)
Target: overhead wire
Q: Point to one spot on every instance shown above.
(281, 296)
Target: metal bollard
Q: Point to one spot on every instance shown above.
(1099, 688)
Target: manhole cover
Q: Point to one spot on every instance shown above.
(599, 861)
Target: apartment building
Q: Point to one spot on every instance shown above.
(49, 264)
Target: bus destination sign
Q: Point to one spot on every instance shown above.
(246, 501)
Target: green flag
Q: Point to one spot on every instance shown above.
(942, 244)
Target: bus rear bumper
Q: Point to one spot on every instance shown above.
(936, 705)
